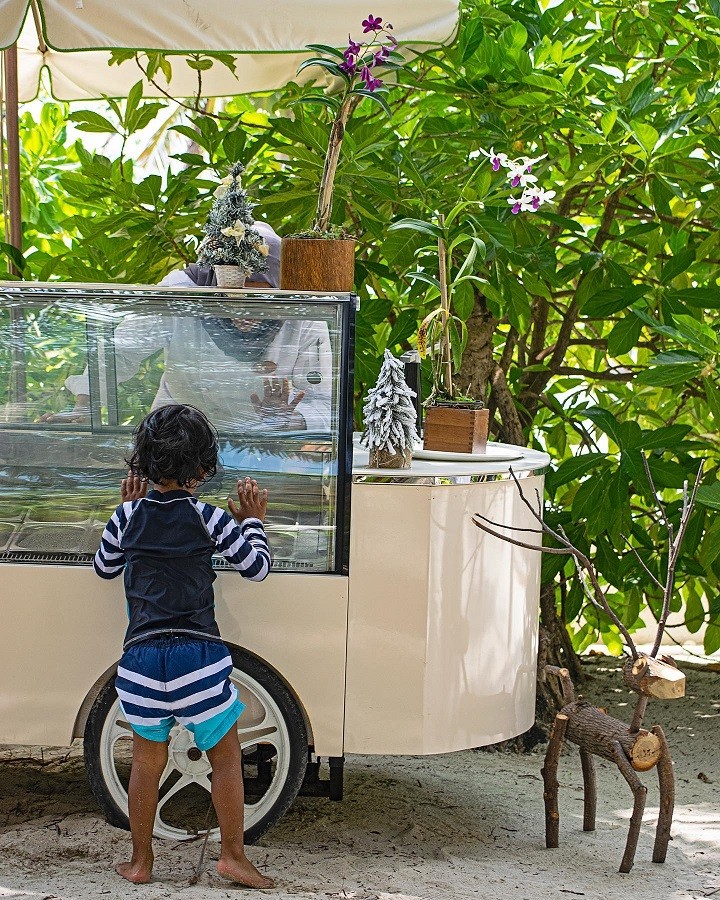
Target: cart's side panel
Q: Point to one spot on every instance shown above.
(443, 619)
(63, 627)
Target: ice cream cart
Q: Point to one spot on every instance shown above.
(389, 625)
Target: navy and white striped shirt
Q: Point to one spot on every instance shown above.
(164, 542)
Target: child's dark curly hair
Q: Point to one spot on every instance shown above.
(175, 443)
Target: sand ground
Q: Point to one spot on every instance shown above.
(463, 825)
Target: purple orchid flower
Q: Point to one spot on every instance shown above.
(372, 23)
(365, 74)
(379, 58)
(516, 209)
(386, 51)
(353, 47)
(373, 83)
(536, 203)
(516, 180)
(348, 67)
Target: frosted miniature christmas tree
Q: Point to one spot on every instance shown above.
(390, 418)
(230, 239)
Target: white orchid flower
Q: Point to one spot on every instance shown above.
(527, 162)
(237, 231)
(497, 159)
(519, 177)
(522, 204)
(540, 196)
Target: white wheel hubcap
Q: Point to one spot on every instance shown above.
(265, 743)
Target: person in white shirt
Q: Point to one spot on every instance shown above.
(240, 371)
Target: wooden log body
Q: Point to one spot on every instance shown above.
(595, 731)
(317, 264)
(456, 430)
(654, 678)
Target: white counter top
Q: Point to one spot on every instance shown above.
(529, 462)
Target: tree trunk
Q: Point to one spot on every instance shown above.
(478, 363)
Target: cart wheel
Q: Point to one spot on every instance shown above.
(274, 745)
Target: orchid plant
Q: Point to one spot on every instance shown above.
(443, 333)
(357, 69)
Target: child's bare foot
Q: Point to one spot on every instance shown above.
(137, 871)
(239, 869)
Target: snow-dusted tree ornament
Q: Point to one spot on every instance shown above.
(230, 239)
(390, 418)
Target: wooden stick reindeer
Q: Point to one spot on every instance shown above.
(632, 748)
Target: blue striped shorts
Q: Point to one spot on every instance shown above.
(174, 679)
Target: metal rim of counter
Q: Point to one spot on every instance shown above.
(375, 478)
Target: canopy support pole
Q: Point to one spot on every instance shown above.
(12, 136)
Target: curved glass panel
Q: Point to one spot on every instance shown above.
(81, 366)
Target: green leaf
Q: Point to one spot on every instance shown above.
(233, 144)
(377, 97)
(667, 376)
(574, 468)
(463, 300)
(16, 257)
(199, 65)
(698, 334)
(627, 435)
(405, 326)
(326, 64)
(666, 438)
(425, 278)
(647, 136)
(678, 264)
(87, 120)
(709, 495)
(326, 48)
(711, 641)
(713, 398)
(694, 612)
(605, 303)
(417, 225)
(625, 335)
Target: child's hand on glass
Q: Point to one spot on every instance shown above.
(132, 488)
(251, 501)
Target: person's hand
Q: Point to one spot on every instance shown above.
(276, 407)
(251, 501)
(79, 414)
(133, 487)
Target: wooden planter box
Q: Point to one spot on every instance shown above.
(456, 430)
(311, 264)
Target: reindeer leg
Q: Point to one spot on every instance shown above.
(589, 790)
(639, 793)
(550, 782)
(667, 798)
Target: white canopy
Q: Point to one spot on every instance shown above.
(70, 39)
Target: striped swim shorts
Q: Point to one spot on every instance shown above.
(174, 679)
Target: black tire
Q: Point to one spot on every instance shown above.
(296, 732)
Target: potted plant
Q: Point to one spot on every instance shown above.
(390, 418)
(455, 422)
(323, 258)
(231, 246)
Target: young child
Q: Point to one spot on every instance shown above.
(175, 667)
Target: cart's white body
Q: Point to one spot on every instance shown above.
(427, 646)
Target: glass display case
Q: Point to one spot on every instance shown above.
(81, 365)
